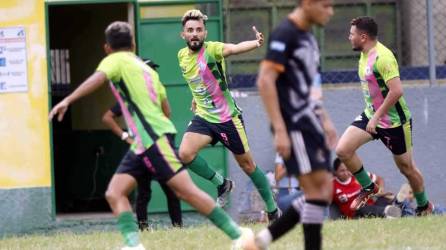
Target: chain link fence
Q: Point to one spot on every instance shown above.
(414, 32)
(403, 28)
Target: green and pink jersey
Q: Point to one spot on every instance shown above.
(205, 73)
(139, 92)
(376, 68)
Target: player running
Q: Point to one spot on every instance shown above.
(386, 116)
(289, 84)
(217, 117)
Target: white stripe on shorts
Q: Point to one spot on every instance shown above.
(300, 152)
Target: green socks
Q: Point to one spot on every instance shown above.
(222, 220)
(363, 177)
(201, 168)
(421, 198)
(262, 185)
(217, 179)
(128, 228)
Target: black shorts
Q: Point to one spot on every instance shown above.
(309, 152)
(161, 160)
(231, 133)
(398, 139)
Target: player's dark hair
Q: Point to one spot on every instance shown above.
(336, 164)
(367, 25)
(151, 64)
(118, 35)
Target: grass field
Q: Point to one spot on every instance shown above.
(405, 233)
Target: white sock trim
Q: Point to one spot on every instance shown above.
(313, 214)
(264, 237)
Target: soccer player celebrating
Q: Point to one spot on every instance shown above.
(134, 83)
(289, 84)
(217, 117)
(385, 117)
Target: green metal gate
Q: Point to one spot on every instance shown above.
(158, 25)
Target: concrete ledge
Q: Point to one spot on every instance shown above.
(24, 209)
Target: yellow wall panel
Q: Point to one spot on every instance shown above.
(24, 128)
(148, 12)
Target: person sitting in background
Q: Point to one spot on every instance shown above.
(287, 186)
(144, 180)
(405, 199)
(346, 188)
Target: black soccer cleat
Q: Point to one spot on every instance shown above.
(143, 225)
(428, 209)
(273, 216)
(223, 192)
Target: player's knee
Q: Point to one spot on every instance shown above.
(186, 156)
(406, 168)
(182, 193)
(249, 169)
(343, 153)
(248, 166)
(111, 195)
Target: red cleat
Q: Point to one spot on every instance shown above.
(363, 197)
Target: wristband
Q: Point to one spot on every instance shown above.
(124, 136)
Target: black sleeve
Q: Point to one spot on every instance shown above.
(278, 46)
(116, 110)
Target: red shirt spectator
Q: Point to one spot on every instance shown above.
(346, 188)
(344, 192)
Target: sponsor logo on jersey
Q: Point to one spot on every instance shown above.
(195, 80)
(200, 91)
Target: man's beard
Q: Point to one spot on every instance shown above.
(196, 46)
(357, 48)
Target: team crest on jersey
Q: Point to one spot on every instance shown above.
(202, 65)
(343, 198)
(368, 71)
